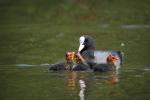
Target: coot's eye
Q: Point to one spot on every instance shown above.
(85, 42)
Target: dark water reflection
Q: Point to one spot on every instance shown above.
(83, 83)
(121, 85)
(34, 82)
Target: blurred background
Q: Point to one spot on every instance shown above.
(39, 32)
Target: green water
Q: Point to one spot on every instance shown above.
(36, 83)
(36, 33)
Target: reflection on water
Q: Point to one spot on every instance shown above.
(82, 83)
(107, 83)
(112, 82)
(113, 77)
(82, 89)
(129, 83)
(72, 83)
(71, 80)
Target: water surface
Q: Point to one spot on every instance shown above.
(35, 82)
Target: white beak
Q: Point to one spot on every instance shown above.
(80, 47)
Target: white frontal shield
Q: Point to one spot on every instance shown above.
(81, 40)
